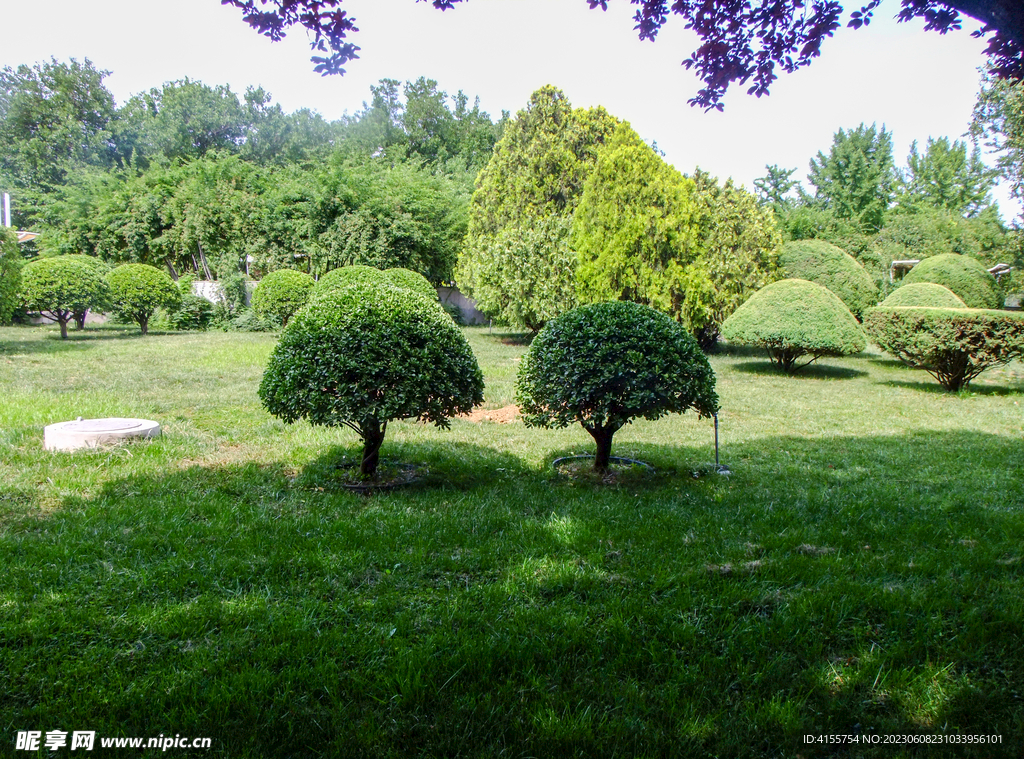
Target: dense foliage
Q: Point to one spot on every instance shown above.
(923, 294)
(365, 354)
(964, 275)
(193, 313)
(10, 275)
(953, 345)
(60, 287)
(281, 293)
(824, 264)
(522, 209)
(605, 364)
(137, 290)
(794, 318)
(410, 280)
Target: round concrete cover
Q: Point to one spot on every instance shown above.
(89, 433)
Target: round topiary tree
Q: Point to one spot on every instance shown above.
(137, 290)
(345, 276)
(410, 280)
(953, 345)
(923, 294)
(605, 364)
(826, 265)
(793, 318)
(59, 287)
(964, 275)
(281, 293)
(367, 354)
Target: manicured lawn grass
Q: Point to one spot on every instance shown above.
(858, 573)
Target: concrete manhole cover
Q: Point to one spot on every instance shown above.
(89, 433)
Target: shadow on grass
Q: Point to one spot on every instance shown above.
(510, 338)
(811, 371)
(975, 388)
(854, 585)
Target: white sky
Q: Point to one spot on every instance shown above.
(918, 84)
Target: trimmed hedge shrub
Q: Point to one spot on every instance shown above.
(367, 354)
(964, 275)
(953, 345)
(10, 275)
(61, 287)
(410, 280)
(793, 318)
(826, 265)
(281, 293)
(605, 364)
(924, 294)
(137, 290)
(345, 276)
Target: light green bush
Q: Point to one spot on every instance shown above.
(61, 287)
(829, 266)
(281, 293)
(923, 294)
(964, 275)
(10, 275)
(137, 290)
(793, 318)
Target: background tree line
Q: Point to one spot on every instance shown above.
(198, 180)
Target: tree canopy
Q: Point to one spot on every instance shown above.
(739, 40)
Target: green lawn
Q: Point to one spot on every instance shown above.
(859, 572)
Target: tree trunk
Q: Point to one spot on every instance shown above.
(373, 435)
(63, 321)
(603, 437)
(144, 324)
(80, 319)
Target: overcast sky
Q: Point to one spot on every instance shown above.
(918, 84)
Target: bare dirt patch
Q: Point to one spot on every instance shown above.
(502, 415)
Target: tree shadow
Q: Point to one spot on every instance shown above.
(975, 388)
(810, 371)
(847, 585)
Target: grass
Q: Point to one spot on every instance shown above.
(859, 572)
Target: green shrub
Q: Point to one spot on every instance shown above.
(826, 265)
(368, 354)
(281, 293)
(193, 313)
(605, 364)
(346, 276)
(10, 275)
(793, 318)
(964, 275)
(923, 294)
(60, 287)
(953, 345)
(248, 320)
(101, 268)
(137, 290)
(410, 280)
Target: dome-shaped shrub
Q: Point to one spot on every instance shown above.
(923, 294)
(281, 293)
(605, 364)
(101, 268)
(345, 276)
(793, 318)
(61, 287)
(826, 265)
(964, 275)
(137, 290)
(368, 354)
(410, 280)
